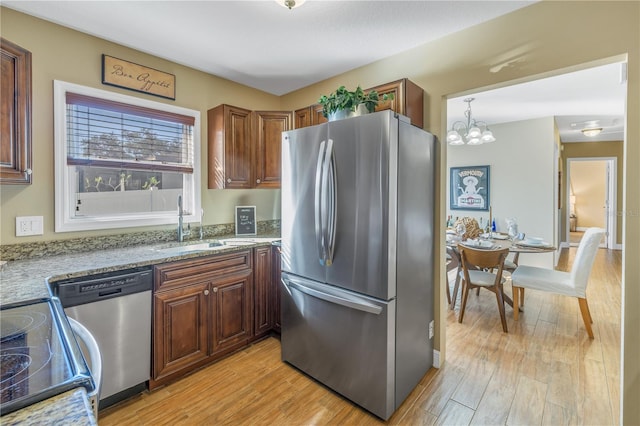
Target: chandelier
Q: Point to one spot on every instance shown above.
(473, 132)
(290, 4)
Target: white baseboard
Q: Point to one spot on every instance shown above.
(564, 244)
(581, 228)
(436, 358)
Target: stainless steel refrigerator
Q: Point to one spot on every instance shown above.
(357, 256)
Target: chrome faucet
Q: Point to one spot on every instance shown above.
(201, 228)
(181, 231)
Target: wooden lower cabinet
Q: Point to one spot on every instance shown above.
(202, 310)
(231, 312)
(180, 329)
(263, 305)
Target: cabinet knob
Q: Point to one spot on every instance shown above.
(215, 289)
(257, 180)
(228, 180)
(206, 292)
(28, 172)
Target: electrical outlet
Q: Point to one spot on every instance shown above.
(431, 326)
(29, 225)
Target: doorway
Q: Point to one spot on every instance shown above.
(591, 197)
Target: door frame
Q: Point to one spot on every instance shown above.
(611, 190)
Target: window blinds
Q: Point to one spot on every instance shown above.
(112, 134)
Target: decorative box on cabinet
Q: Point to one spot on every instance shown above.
(15, 114)
(245, 147)
(202, 310)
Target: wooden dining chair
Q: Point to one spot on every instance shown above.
(572, 284)
(476, 267)
(453, 262)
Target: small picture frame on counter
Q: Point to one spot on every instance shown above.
(246, 220)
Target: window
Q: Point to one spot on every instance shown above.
(122, 161)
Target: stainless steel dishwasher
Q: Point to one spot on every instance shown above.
(116, 308)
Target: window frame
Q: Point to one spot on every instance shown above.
(65, 220)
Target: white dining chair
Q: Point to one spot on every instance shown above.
(572, 284)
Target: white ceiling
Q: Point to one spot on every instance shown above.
(594, 97)
(266, 46)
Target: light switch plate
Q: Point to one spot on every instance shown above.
(29, 225)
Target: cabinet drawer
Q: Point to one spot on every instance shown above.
(186, 272)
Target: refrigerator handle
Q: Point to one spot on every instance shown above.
(358, 304)
(331, 197)
(318, 205)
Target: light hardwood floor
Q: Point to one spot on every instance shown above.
(544, 371)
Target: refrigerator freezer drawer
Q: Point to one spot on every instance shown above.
(342, 339)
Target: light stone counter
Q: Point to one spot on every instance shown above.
(27, 279)
(71, 408)
(23, 280)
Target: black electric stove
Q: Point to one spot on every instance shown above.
(39, 356)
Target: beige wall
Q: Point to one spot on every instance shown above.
(588, 182)
(521, 189)
(598, 150)
(59, 53)
(542, 38)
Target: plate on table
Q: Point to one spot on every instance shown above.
(537, 244)
(482, 245)
(495, 236)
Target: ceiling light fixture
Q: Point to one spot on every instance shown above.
(473, 132)
(592, 132)
(290, 4)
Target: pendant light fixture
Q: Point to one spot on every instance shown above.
(473, 132)
(290, 4)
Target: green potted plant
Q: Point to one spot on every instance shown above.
(343, 103)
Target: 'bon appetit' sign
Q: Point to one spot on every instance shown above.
(121, 73)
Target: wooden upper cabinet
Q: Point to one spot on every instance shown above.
(229, 139)
(15, 114)
(309, 116)
(407, 100)
(302, 117)
(268, 128)
(245, 146)
(316, 115)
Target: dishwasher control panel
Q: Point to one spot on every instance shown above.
(78, 291)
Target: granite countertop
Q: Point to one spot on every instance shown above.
(27, 279)
(71, 408)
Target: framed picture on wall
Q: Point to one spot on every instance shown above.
(469, 188)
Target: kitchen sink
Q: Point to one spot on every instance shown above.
(207, 246)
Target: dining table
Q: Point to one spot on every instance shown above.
(493, 241)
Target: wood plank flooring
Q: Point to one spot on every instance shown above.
(545, 371)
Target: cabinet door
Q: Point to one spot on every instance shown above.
(268, 128)
(180, 328)
(229, 141)
(302, 117)
(263, 316)
(316, 115)
(232, 316)
(15, 114)
(275, 287)
(408, 100)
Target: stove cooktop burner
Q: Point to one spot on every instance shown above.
(36, 359)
